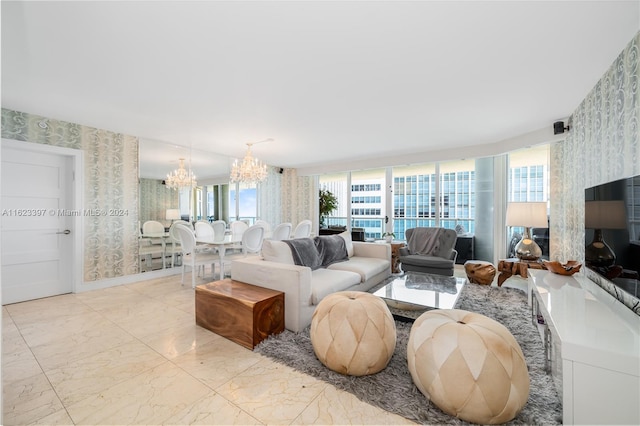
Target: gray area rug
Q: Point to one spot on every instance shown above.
(393, 390)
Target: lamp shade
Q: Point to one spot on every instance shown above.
(605, 215)
(173, 214)
(532, 215)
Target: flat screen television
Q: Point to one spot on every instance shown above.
(612, 232)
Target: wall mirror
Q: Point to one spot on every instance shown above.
(157, 159)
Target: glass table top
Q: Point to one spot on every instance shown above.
(420, 291)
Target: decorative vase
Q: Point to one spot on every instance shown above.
(388, 238)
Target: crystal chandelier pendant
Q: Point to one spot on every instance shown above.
(250, 170)
(181, 178)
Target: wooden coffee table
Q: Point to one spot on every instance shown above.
(243, 313)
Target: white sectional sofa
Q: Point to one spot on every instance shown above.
(368, 265)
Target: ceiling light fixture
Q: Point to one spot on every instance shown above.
(181, 178)
(251, 169)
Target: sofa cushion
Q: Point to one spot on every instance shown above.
(276, 251)
(428, 261)
(327, 281)
(366, 267)
(331, 249)
(348, 242)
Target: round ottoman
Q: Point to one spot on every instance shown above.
(353, 333)
(480, 271)
(469, 365)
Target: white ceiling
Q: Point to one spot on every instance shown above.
(330, 81)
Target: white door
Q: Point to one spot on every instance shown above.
(36, 224)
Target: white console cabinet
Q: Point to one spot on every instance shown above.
(593, 346)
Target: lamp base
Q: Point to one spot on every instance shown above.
(527, 249)
(598, 253)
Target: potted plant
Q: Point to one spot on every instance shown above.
(388, 236)
(328, 203)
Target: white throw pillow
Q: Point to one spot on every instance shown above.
(347, 240)
(276, 251)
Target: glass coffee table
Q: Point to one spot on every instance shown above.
(409, 295)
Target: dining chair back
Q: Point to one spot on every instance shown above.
(252, 239)
(219, 228)
(282, 232)
(152, 227)
(303, 229)
(264, 224)
(204, 230)
(190, 256)
(237, 228)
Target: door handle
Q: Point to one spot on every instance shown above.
(65, 232)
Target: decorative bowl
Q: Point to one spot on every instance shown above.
(569, 268)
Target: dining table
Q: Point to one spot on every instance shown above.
(221, 245)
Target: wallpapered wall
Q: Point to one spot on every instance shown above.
(298, 198)
(270, 196)
(602, 145)
(111, 182)
(155, 199)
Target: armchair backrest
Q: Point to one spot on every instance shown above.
(438, 242)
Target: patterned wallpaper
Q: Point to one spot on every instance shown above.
(602, 145)
(298, 197)
(111, 182)
(271, 197)
(155, 199)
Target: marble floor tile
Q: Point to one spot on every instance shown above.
(151, 397)
(132, 354)
(217, 362)
(111, 298)
(46, 309)
(271, 392)
(60, 417)
(178, 340)
(152, 322)
(18, 363)
(45, 332)
(213, 410)
(177, 297)
(157, 287)
(28, 400)
(89, 376)
(336, 407)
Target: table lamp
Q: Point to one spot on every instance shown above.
(172, 214)
(599, 215)
(527, 215)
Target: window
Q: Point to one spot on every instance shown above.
(528, 181)
(243, 202)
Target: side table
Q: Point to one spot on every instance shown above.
(395, 254)
(515, 266)
(243, 313)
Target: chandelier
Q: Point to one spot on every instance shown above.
(181, 178)
(250, 170)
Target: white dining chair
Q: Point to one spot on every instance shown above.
(174, 250)
(282, 232)
(193, 258)
(303, 229)
(237, 229)
(251, 245)
(219, 229)
(265, 225)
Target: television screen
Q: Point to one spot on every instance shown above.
(612, 232)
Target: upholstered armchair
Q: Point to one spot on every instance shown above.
(430, 250)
